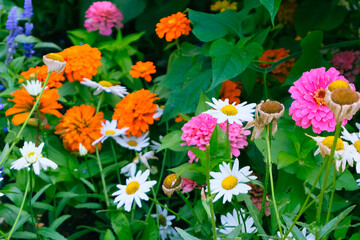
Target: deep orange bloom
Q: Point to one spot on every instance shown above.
(143, 69)
(231, 90)
(136, 111)
(55, 79)
(283, 69)
(24, 102)
(81, 62)
(286, 12)
(80, 125)
(173, 26)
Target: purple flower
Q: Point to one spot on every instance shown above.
(28, 9)
(11, 23)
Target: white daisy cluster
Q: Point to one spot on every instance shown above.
(231, 221)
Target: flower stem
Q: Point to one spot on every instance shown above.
(332, 197)
(265, 87)
(20, 210)
(31, 209)
(17, 138)
(115, 158)
(209, 191)
(265, 191)
(91, 178)
(268, 144)
(102, 177)
(100, 101)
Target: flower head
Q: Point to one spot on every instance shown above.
(24, 102)
(33, 87)
(135, 189)
(266, 113)
(165, 228)
(80, 124)
(129, 169)
(171, 184)
(109, 129)
(55, 79)
(283, 69)
(81, 62)
(222, 5)
(286, 12)
(54, 62)
(347, 62)
(173, 27)
(229, 182)
(136, 111)
(231, 90)
(309, 107)
(352, 152)
(134, 142)
(197, 132)
(103, 16)
(31, 155)
(231, 221)
(28, 9)
(143, 69)
(106, 86)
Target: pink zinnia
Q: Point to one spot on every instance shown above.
(198, 130)
(103, 16)
(309, 106)
(347, 64)
(188, 185)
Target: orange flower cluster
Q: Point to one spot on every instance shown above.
(286, 12)
(143, 69)
(136, 111)
(173, 27)
(81, 62)
(283, 69)
(55, 79)
(223, 5)
(24, 102)
(80, 125)
(231, 90)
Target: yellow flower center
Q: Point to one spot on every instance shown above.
(328, 141)
(162, 106)
(344, 96)
(162, 220)
(229, 182)
(134, 159)
(338, 84)
(319, 96)
(271, 107)
(55, 56)
(110, 132)
(132, 187)
(132, 143)
(31, 154)
(168, 181)
(229, 110)
(357, 145)
(105, 83)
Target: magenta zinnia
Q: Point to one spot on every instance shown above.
(198, 130)
(309, 107)
(103, 16)
(347, 64)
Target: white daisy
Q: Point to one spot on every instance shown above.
(31, 155)
(82, 150)
(134, 142)
(33, 87)
(325, 144)
(105, 86)
(129, 169)
(230, 112)
(352, 152)
(165, 228)
(231, 221)
(1, 178)
(135, 189)
(229, 182)
(155, 145)
(158, 112)
(310, 236)
(109, 129)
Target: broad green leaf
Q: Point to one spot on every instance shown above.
(121, 226)
(202, 105)
(185, 235)
(50, 233)
(192, 171)
(341, 233)
(284, 159)
(173, 141)
(60, 220)
(50, 45)
(24, 235)
(151, 231)
(39, 193)
(220, 144)
(272, 6)
(199, 154)
(109, 235)
(17, 64)
(81, 36)
(26, 39)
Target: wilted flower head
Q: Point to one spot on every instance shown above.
(266, 113)
(54, 62)
(173, 27)
(347, 62)
(222, 5)
(171, 184)
(103, 16)
(286, 12)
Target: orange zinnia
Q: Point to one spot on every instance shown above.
(283, 69)
(55, 79)
(81, 62)
(80, 125)
(24, 102)
(173, 26)
(136, 111)
(143, 69)
(231, 90)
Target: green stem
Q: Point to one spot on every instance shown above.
(32, 214)
(266, 91)
(268, 145)
(265, 191)
(133, 211)
(20, 210)
(102, 177)
(209, 191)
(100, 101)
(17, 138)
(4, 235)
(91, 178)
(115, 158)
(328, 168)
(332, 197)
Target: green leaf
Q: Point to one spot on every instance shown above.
(192, 171)
(199, 154)
(341, 233)
(285, 159)
(26, 39)
(185, 235)
(39, 193)
(17, 64)
(220, 144)
(295, 231)
(272, 6)
(89, 205)
(229, 60)
(330, 226)
(151, 231)
(60, 220)
(173, 141)
(51, 45)
(355, 236)
(24, 235)
(202, 105)
(121, 226)
(81, 36)
(109, 235)
(50, 233)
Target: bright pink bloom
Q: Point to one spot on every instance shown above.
(103, 16)
(347, 64)
(198, 131)
(188, 185)
(309, 106)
